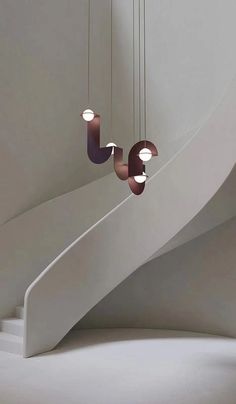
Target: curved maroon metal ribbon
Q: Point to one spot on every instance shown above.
(134, 161)
(122, 172)
(120, 167)
(97, 154)
(136, 187)
(136, 166)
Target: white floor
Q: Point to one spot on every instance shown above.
(124, 367)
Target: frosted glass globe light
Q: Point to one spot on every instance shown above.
(111, 144)
(88, 115)
(145, 154)
(140, 178)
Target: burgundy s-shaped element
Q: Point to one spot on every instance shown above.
(136, 166)
(124, 171)
(121, 169)
(135, 163)
(97, 154)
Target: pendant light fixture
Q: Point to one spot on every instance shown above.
(88, 113)
(142, 151)
(111, 77)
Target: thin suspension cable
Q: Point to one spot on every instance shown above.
(111, 84)
(139, 67)
(88, 52)
(144, 70)
(134, 126)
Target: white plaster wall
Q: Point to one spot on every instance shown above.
(43, 89)
(117, 245)
(218, 210)
(43, 76)
(190, 61)
(189, 288)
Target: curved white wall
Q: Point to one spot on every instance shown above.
(110, 251)
(189, 288)
(43, 88)
(43, 78)
(218, 210)
(41, 130)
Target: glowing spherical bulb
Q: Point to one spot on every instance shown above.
(88, 115)
(145, 154)
(140, 178)
(111, 144)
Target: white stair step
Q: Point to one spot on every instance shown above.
(11, 343)
(20, 312)
(13, 326)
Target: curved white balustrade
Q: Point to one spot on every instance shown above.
(30, 242)
(185, 80)
(132, 232)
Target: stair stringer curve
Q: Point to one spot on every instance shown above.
(131, 233)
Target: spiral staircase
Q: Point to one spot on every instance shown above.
(70, 263)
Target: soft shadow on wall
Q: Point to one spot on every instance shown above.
(190, 288)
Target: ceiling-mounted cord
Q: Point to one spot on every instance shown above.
(111, 65)
(88, 52)
(134, 115)
(139, 65)
(144, 70)
(134, 171)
